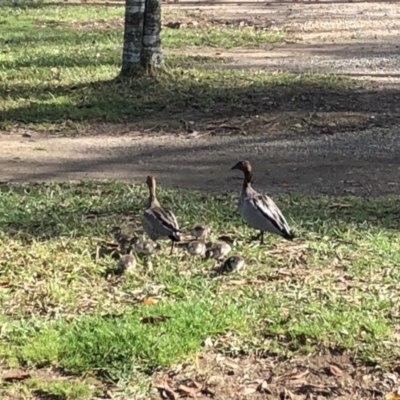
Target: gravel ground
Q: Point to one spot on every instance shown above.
(361, 39)
(361, 164)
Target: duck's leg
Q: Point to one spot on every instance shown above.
(148, 264)
(172, 247)
(261, 236)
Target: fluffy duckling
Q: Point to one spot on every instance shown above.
(194, 247)
(259, 210)
(144, 247)
(121, 238)
(233, 263)
(200, 231)
(157, 221)
(126, 263)
(217, 250)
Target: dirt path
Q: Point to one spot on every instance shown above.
(362, 164)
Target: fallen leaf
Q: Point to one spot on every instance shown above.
(230, 364)
(335, 370)
(208, 342)
(248, 390)
(300, 375)
(190, 391)
(284, 313)
(263, 387)
(294, 375)
(154, 319)
(15, 375)
(148, 301)
(166, 392)
(340, 205)
(237, 282)
(393, 395)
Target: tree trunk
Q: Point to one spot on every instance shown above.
(151, 53)
(133, 37)
(142, 41)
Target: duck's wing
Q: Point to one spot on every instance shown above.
(163, 222)
(170, 216)
(267, 207)
(166, 218)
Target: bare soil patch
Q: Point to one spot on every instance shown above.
(316, 376)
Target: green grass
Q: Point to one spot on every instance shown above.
(57, 68)
(335, 287)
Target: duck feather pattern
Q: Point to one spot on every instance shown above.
(261, 213)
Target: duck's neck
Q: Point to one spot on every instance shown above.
(153, 202)
(246, 181)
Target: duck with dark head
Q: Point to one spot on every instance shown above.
(259, 210)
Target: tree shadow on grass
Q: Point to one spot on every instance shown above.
(308, 102)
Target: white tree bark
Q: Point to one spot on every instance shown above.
(142, 41)
(151, 53)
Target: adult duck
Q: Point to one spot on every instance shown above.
(259, 210)
(159, 222)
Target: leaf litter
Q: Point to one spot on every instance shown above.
(274, 377)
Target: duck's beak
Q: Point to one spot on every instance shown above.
(236, 166)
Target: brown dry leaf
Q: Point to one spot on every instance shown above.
(295, 375)
(15, 375)
(336, 371)
(237, 282)
(318, 389)
(154, 319)
(230, 364)
(284, 313)
(393, 395)
(340, 205)
(248, 390)
(166, 392)
(255, 281)
(189, 391)
(297, 383)
(148, 301)
(4, 284)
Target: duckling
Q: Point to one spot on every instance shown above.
(259, 210)
(200, 231)
(233, 263)
(126, 263)
(144, 247)
(121, 238)
(157, 221)
(194, 247)
(217, 250)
